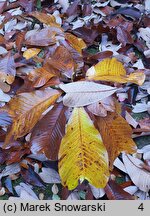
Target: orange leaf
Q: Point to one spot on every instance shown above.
(77, 43)
(116, 134)
(45, 18)
(27, 109)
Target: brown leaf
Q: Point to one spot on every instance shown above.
(47, 134)
(100, 108)
(124, 36)
(45, 18)
(44, 37)
(63, 63)
(20, 40)
(27, 109)
(115, 192)
(41, 76)
(115, 128)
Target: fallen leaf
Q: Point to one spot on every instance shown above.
(100, 108)
(113, 71)
(47, 19)
(5, 118)
(7, 69)
(115, 128)
(10, 169)
(116, 192)
(83, 93)
(32, 177)
(29, 53)
(27, 109)
(97, 192)
(82, 153)
(139, 176)
(63, 63)
(49, 176)
(44, 37)
(47, 134)
(77, 43)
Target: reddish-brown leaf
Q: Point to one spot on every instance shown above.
(63, 63)
(44, 37)
(20, 40)
(115, 192)
(47, 134)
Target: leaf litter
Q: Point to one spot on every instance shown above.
(57, 59)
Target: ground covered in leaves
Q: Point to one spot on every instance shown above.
(74, 99)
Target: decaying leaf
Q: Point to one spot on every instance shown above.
(100, 108)
(82, 154)
(115, 192)
(63, 63)
(27, 109)
(114, 128)
(84, 93)
(77, 43)
(139, 176)
(113, 71)
(45, 18)
(49, 176)
(44, 37)
(47, 134)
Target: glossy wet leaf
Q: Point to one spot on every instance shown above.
(113, 71)
(114, 128)
(84, 93)
(47, 134)
(82, 154)
(27, 109)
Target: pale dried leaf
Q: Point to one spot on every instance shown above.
(139, 176)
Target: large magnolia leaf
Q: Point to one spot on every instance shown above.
(27, 109)
(116, 134)
(82, 154)
(84, 93)
(47, 134)
(139, 176)
(113, 70)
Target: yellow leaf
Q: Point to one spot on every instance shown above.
(27, 108)
(82, 154)
(112, 70)
(77, 43)
(116, 134)
(29, 53)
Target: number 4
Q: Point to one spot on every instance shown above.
(141, 207)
